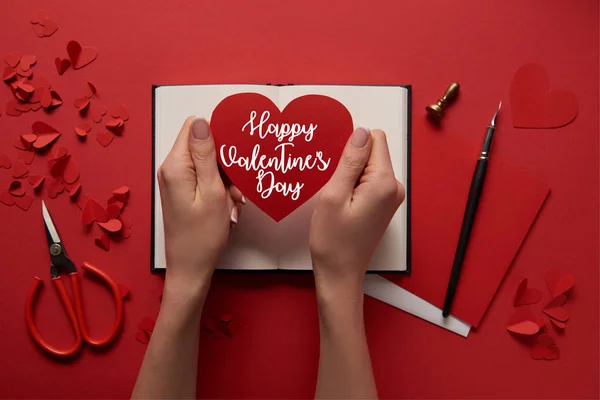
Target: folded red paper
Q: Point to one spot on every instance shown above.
(510, 202)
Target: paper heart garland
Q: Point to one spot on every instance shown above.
(535, 105)
(279, 159)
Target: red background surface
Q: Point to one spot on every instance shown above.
(426, 44)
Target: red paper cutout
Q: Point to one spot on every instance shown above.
(50, 27)
(45, 139)
(535, 105)
(125, 231)
(24, 202)
(58, 152)
(11, 108)
(75, 189)
(71, 172)
(142, 337)
(123, 290)
(62, 65)
(146, 324)
(56, 99)
(103, 242)
(9, 73)
(104, 138)
(40, 128)
(26, 156)
(90, 90)
(18, 143)
(6, 198)
(527, 296)
(82, 200)
(5, 161)
(12, 60)
(16, 189)
(35, 181)
(45, 98)
(113, 211)
(112, 225)
(82, 129)
(81, 104)
(27, 61)
(20, 169)
(120, 112)
(524, 328)
(58, 166)
(40, 82)
(97, 113)
(121, 194)
(93, 211)
(544, 348)
(558, 324)
(329, 123)
(80, 56)
(555, 309)
(557, 283)
(54, 187)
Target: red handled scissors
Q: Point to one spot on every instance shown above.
(74, 310)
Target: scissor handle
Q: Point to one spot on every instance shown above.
(79, 306)
(66, 302)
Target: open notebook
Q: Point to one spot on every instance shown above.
(258, 242)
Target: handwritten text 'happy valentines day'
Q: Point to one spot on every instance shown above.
(283, 162)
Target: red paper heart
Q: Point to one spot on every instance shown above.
(113, 211)
(5, 161)
(82, 200)
(104, 138)
(38, 16)
(81, 104)
(146, 324)
(544, 348)
(112, 225)
(26, 156)
(74, 189)
(58, 166)
(40, 127)
(12, 60)
(558, 324)
(89, 90)
(82, 129)
(535, 105)
(97, 113)
(527, 296)
(327, 125)
(11, 108)
(58, 152)
(93, 211)
(555, 309)
(7, 199)
(80, 56)
(54, 187)
(35, 181)
(40, 82)
(62, 65)
(103, 242)
(16, 189)
(142, 337)
(123, 290)
(121, 112)
(71, 172)
(24, 202)
(27, 61)
(50, 27)
(524, 328)
(559, 283)
(20, 169)
(9, 73)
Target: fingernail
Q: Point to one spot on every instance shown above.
(200, 128)
(234, 215)
(360, 137)
(243, 199)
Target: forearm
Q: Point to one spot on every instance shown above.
(169, 369)
(344, 364)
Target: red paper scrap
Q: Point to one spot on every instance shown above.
(80, 56)
(146, 324)
(45, 98)
(5, 161)
(526, 295)
(93, 211)
(112, 225)
(555, 309)
(62, 65)
(35, 181)
(103, 242)
(40, 127)
(559, 283)
(25, 74)
(535, 105)
(544, 348)
(24, 202)
(56, 99)
(20, 169)
(82, 129)
(104, 138)
(50, 27)
(16, 189)
(7, 199)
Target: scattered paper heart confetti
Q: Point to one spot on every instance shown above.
(93, 211)
(62, 65)
(535, 105)
(81, 104)
(558, 324)
(20, 169)
(40, 128)
(121, 194)
(75, 189)
(83, 129)
(103, 242)
(555, 309)
(97, 113)
(559, 283)
(526, 295)
(113, 211)
(26, 156)
(58, 152)
(9, 73)
(5, 161)
(89, 90)
(123, 290)
(112, 225)
(54, 187)
(11, 108)
(7, 199)
(35, 181)
(12, 60)
(38, 16)
(80, 56)
(82, 200)
(142, 337)
(71, 172)
(105, 138)
(24, 202)
(27, 61)
(146, 324)
(16, 189)
(121, 112)
(544, 348)
(524, 328)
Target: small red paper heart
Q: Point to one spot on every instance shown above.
(54, 187)
(104, 138)
(544, 348)
(40, 127)
(113, 211)
(121, 112)
(56, 99)
(38, 16)
(142, 337)
(7, 199)
(93, 211)
(19, 144)
(28, 139)
(45, 139)
(103, 242)
(524, 328)
(80, 56)
(26, 156)
(12, 60)
(35, 106)
(45, 98)
(74, 189)
(97, 113)
(39, 30)
(121, 193)
(81, 104)
(58, 152)
(9, 73)
(526, 296)
(123, 290)
(558, 324)
(555, 308)
(112, 225)
(20, 169)
(5, 161)
(24, 74)
(89, 90)
(82, 129)
(40, 82)
(24, 107)
(559, 283)
(535, 105)
(11, 108)
(324, 126)
(24, 202)
(71, 172)
(27, 61)
(125, 232)
(62, 65)
(82, 200)
(16, 189)
(35, 181)
(146, 324)
(50, 27)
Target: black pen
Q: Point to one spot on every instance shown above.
(470, 211)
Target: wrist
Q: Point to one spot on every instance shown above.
(186, 292)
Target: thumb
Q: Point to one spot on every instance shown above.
(202, 150)
(351, 165)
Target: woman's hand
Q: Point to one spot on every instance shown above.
(353, 211)
(198, 209)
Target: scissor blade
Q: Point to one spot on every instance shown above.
(49, 224)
